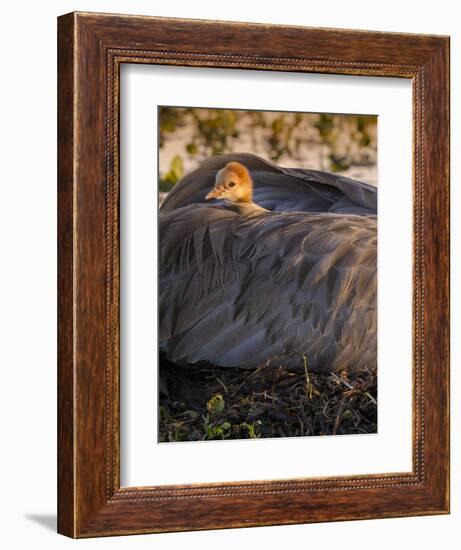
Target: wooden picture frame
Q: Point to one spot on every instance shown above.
(92, 48)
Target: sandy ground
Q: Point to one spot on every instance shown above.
(313, 156)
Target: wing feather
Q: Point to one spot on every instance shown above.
(238, 291)
(279, 189)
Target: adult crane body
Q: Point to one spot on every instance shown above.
(278, 270)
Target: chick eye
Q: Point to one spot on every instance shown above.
(231, 184)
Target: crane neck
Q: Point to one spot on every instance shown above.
(248, 208)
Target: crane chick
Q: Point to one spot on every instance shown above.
(233, 184)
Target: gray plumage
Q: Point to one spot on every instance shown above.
(273, 287)
(279, 189)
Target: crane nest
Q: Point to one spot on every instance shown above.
(205, 402)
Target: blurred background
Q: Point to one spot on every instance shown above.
(336, 143)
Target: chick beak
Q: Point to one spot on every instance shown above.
(213, 194)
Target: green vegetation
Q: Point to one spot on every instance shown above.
(345, 140)
(174, 174)
(212, 403)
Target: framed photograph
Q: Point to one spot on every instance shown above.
(253, 277)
